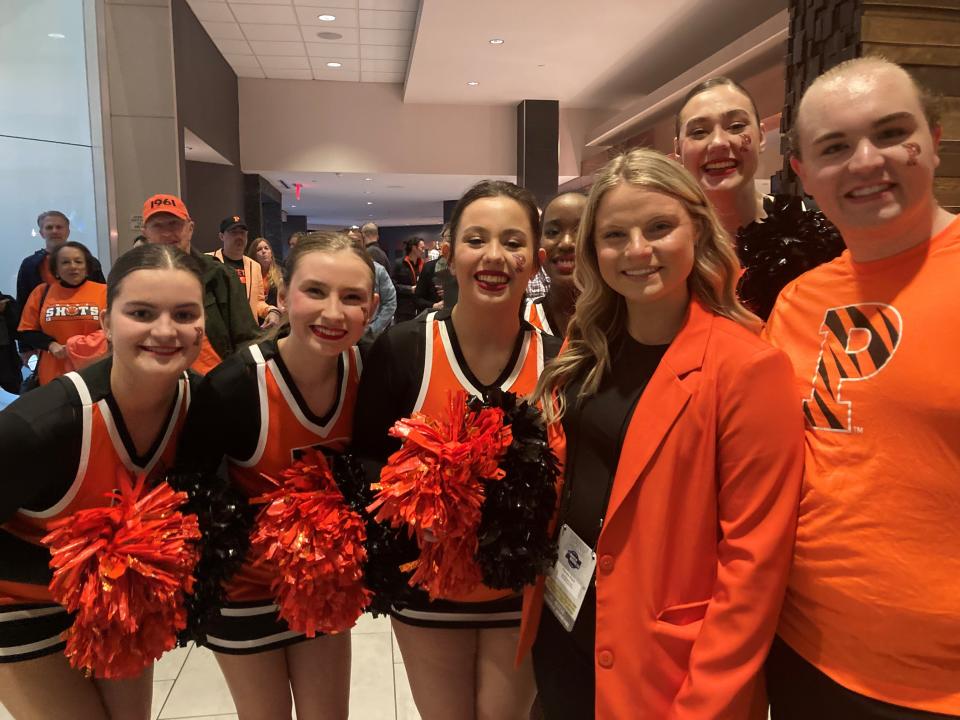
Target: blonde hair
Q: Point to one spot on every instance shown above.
(601, 313)
(273, 274)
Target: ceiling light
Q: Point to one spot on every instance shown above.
(56, 36)
(496, 41)
(334, 65)
(327, 18)
(473, 83)
(327, 35)
(367, 179)
(369, 202)
(293, 206)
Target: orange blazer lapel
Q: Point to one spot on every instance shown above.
(661, 403)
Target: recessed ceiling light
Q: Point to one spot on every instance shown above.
(368, 192)
(293, 206)
(327, 35)
(496, 41)
(473, 83)
(367, 179)
(369, 202)
(327, 18)
(334, 65)
(56, 36)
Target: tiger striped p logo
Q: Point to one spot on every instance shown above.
(858, 340)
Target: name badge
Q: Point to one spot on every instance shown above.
(567, 583)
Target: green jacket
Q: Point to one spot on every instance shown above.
(229, 322)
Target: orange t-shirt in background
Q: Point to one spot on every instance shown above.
(65, 312)
(874, 595)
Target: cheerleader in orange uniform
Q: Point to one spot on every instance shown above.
(561, 223)
(57, 312)
(458, 651)
(63, 445)
(260, 409)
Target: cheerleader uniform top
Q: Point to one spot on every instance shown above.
(63, 445)
(413, 367)
(250, 411)
(535, 313)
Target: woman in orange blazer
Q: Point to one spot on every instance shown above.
(683, 465)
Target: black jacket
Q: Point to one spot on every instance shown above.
(10, 377)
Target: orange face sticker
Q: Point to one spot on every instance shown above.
(519, 261)
(913, 152)
(745, 143)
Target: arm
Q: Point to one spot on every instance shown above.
(240, 321)
(25, 282)
(264, 309)
(29, 330)
(388, 302)
(759, 468)
(425, 294)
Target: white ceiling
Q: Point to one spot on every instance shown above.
(279, 38)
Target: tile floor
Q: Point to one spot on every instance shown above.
(188, 684)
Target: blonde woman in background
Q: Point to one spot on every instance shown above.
(259, 249)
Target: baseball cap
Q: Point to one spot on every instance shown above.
(165, 203)
(229, 223)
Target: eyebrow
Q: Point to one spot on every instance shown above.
(148, 304)
(726, 114)
(892, 117)
(481, 229)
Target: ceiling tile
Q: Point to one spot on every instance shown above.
(344, 18)
(289, 74)
(267, 14)
(326, 74)
(333, 50)
(352, 4)
(272, 32)
(234, 47)
(270, 62)
(388, 66)
(294, 49)
(385, 52)
(349, 65)
(242, 61)
(210, 11)
(223, 30)
(387, 20)
(411, 5)
(381, 77)
(347, 35)
(385, 37)
(249, 72)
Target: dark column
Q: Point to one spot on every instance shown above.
(261, 207)
(293, 223)
(919, 36)
(448, 206)
(538, 138)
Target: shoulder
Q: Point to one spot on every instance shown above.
(31, 261)
(732, 346)
(828, 275)
(551, 345)
(49, 409)
(237, 368)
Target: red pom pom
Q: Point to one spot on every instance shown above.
(315, 545)
(434, 486)
(124, 570)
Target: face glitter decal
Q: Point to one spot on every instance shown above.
(519, 261)
(913, 152)
(745, 143)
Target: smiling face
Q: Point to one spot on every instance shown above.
(867, 154)
(71, 266)
(561, 222)
(330, 301)
(168, 229)
(645, 244)
(720, 139)
(493, 253)
(155, 322)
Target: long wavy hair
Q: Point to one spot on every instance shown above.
(601, 313)
(273, 274)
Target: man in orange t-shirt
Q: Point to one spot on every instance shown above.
(870, 626)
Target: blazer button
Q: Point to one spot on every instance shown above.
(606, 564)
(605, 659)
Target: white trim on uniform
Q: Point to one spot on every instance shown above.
(264, 409)
(358, 360)
(295, 408)
(521, 361)
(427, 362)
(259, 642)
(31, 647)
(248, 611)
(451, 617)
(86, 435)
(31, 613)
(454, 365)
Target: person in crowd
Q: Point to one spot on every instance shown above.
(872, 610)
(681, 482)
(229, 322)
(406, 271)
(353, 232)
(55, 313)
(70, 438)
(719, 140)
(431, 249)
(10, 363)
(561, 223)
(371, 241)
(384, 289)
(428, 293)
(54, 228)
(233, 238)
(260, 250)
(294, 238)
(458, 651)
(257, 409)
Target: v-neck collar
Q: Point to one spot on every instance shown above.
(509, 371)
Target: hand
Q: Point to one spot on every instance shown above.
(271, 320)
(437, 305)
(58, 351)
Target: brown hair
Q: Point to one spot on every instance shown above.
(54, 256)
(713, 82)
(492, 189)
(150, 257)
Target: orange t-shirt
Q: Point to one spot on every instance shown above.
(874, 594)
(65, 312)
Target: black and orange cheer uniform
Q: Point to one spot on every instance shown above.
(413, 367)
(62, 446)
(535, 313)
(250, 411)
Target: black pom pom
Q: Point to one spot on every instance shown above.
(780, 248)
(514, 542)
(225, 518)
